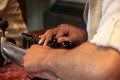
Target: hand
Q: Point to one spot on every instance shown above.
(35, 58)
(64, 32)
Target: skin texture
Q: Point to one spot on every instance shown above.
(65, 32)
(84, 62)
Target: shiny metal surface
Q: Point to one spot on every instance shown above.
(13, 52)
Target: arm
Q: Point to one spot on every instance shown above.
(85, 62)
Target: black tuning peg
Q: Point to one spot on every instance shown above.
(37, 39)
(26, 40)
(65, 45)
(3, 25)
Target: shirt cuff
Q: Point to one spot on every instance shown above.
(108, 34)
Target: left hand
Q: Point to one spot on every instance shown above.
(36, 58)
(64, 32)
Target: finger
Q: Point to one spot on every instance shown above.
(62, 39)
(47, 36)
(63, 31)
(43, 37)
(47, 40)
(40, 35)
(40, 42)
(60, 33)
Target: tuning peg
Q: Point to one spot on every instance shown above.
(3, 26)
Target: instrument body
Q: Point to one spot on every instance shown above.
(15, 54)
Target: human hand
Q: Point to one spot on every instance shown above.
(35, 58)
(63, 33)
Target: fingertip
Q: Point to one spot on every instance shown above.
(40, 42)
(59, 41)
(45, 43)
(62, 39)
(56, 36)
(40, 39)
(40, 35)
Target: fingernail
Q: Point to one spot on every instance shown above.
(59, 41)
(40, 42)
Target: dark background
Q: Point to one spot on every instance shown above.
(40, 14)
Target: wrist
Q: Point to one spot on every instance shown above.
(54, 57)
(50, 58)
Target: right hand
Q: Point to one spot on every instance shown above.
(64, 32)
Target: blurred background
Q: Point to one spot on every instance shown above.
(41, 14)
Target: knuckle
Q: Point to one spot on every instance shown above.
(49, 31)
(27, 51)
(63, 26)
(32, 46)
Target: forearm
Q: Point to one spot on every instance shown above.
(86, 62)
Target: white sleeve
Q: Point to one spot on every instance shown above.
(108, 33)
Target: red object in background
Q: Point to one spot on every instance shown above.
(12, 72)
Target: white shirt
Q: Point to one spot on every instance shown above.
(108, 32)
